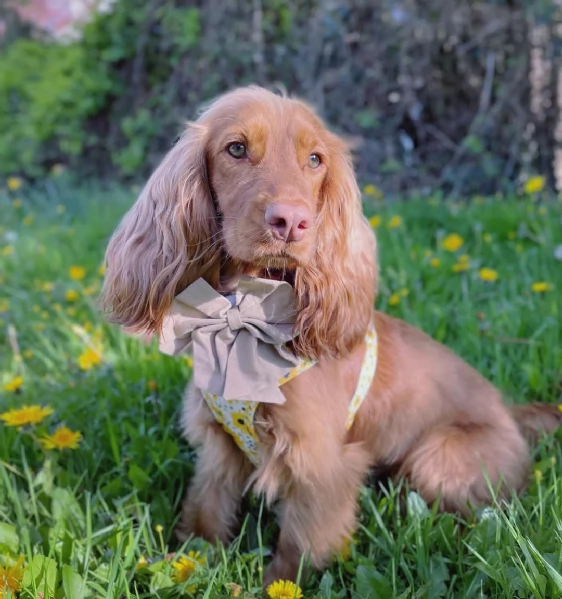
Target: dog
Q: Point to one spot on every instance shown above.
(258, 187)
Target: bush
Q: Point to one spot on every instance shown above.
(438, 94)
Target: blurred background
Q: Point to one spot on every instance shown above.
(461, 96)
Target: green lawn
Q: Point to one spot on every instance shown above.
(97, 521)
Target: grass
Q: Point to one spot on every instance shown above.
(97, 521)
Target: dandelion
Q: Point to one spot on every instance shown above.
(101, 271)
(541, 286)
(460, 267)
(14, 183)
(7, 250)
(189, 361)
(534, 184)
(16, 203)
(394, 222)
(76, 273)
(14, 384)
(284, 589)
(142, 563)
(89, 358)
(186, 565)
(27, 353)
(234, 590)
(452, 242)
(488, 274)
(11, 577)
(394, 299)
(435, 263)
(47, 287)
(373, 191)
(28, 220)
(62, 438)
(26, 415)
(375, 221)
(71, 295)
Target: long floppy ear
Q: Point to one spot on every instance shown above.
(167, 240)
(336, 293)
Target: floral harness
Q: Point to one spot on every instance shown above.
(237, 416)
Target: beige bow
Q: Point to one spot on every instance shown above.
(237, 344)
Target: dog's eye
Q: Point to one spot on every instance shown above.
(237, 149)
(314, 161)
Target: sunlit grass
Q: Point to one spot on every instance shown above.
(93, 514)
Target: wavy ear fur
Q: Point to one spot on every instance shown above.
(336, 293)
(167, 240)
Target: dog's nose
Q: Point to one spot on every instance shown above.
(287, 222)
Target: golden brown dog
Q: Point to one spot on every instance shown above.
(258, 186)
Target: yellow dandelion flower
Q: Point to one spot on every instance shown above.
(89, 358)
(101, 271)
(284, 589)
(62, 438)
(60, 209)
(142, 563)
(28, 220)
(394, 222)
(189, 361)
(47, 287)
(14, 384)
(488, 274)
(452, 242)
(26, 415)
(7, 250)
(71, 295)
(186, 565)
(534, 184)
(373, 191)
(17, 203)
(460, 267)
(76, 273)
(541, 286)
(435, 263)
(11, 577)
(394, 299)
(14, 183)
(27, 353)
(375, 221)
(234, 590)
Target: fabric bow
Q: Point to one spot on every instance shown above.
(238, 342)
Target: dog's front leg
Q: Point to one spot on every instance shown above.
(211, 504)
(319, 512)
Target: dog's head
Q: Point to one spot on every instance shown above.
(257, 185)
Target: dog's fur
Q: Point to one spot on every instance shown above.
(428, 415)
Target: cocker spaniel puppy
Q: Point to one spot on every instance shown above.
(258, 186)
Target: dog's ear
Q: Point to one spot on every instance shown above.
(167, 240)
(336, 293)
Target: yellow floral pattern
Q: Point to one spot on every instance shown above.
(236, 416)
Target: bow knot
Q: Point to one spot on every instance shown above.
(234, 319)
(240, 347)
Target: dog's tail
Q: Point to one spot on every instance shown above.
(537, 419)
